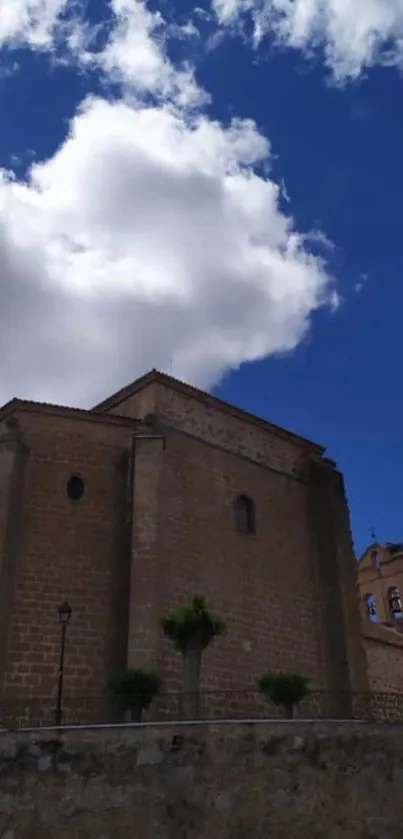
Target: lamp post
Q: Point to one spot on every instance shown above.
(64, 612)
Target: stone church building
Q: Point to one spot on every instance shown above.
(159, 493)
(380, 583)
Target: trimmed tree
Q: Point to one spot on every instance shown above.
(284, 689)
(132, 691)
(192, 629)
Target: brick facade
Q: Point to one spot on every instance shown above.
(162, 465)
(75, 551)
(380, 571)
(384, 650)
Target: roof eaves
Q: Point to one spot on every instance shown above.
(62, 410)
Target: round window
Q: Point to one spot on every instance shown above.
(75, 488)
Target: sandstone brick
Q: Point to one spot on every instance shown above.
(155, 527)
(383, 639)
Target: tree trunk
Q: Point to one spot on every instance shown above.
(289, 710)
(191, 682)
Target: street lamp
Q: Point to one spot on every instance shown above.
(64, 612)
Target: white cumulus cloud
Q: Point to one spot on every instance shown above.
(150, 238)
(135, 55)
(29, 22)
(354, 34)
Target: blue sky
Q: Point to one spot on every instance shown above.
(214, 191)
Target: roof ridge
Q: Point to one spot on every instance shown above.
(201, 395)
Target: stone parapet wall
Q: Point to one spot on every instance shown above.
(276, 780)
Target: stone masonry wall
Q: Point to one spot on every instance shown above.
(155, 527)
(384, 650)
(282, 591)
(13, 464)
(261, 584)
(240, 434)
(67, 550)
(228, 782)
(379, 581)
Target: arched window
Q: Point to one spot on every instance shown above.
(245, 514)
(395, 604)
(370, 604)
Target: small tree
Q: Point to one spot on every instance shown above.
(191, 628)
(284, 689)
(133, 690)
